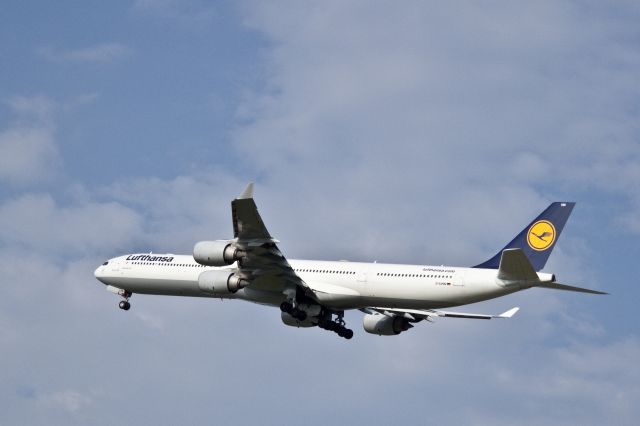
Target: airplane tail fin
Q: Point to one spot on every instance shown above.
(539, 238)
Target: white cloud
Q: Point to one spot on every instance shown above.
(80, 101)
(28, 152)
(99, 53)
(39, 109)
(27, 155)
(447, 103)
(192, 13)
(154, 322)
(601, 376)
(177, 212)
(35, 222)
(69, 400)
(148, 213)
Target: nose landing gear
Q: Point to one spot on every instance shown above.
(124, 304)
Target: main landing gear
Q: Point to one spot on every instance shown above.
(325, 317)
(337, 326)
(288, 308)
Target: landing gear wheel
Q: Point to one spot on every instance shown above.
(344, 332)
(298, 314)
(124, 305)
(286, 307)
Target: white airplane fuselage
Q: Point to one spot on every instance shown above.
(339, 285)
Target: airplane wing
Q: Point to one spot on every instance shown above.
(263, 262)
(430, 314)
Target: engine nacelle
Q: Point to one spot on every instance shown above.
(215, 253)
(383, 325)
(221, 282)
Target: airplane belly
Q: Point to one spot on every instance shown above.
(261, 297)
(338, 301)
(169, 287)
(418, 291)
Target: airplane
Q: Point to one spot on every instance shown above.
(310, 293)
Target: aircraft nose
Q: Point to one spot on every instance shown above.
(98, 273)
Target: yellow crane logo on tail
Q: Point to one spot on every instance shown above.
(541, 235)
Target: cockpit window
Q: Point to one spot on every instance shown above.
(105, 263)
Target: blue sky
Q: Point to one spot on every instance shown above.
(414, 133)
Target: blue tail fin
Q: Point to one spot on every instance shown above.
(538, 238)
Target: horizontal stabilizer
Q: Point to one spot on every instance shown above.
(515, 266)
(558, 286)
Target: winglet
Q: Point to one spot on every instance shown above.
(247, 193)
(511, 312)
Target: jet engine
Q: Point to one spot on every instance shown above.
(383, 325)
(215, 253)
(221, 282)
